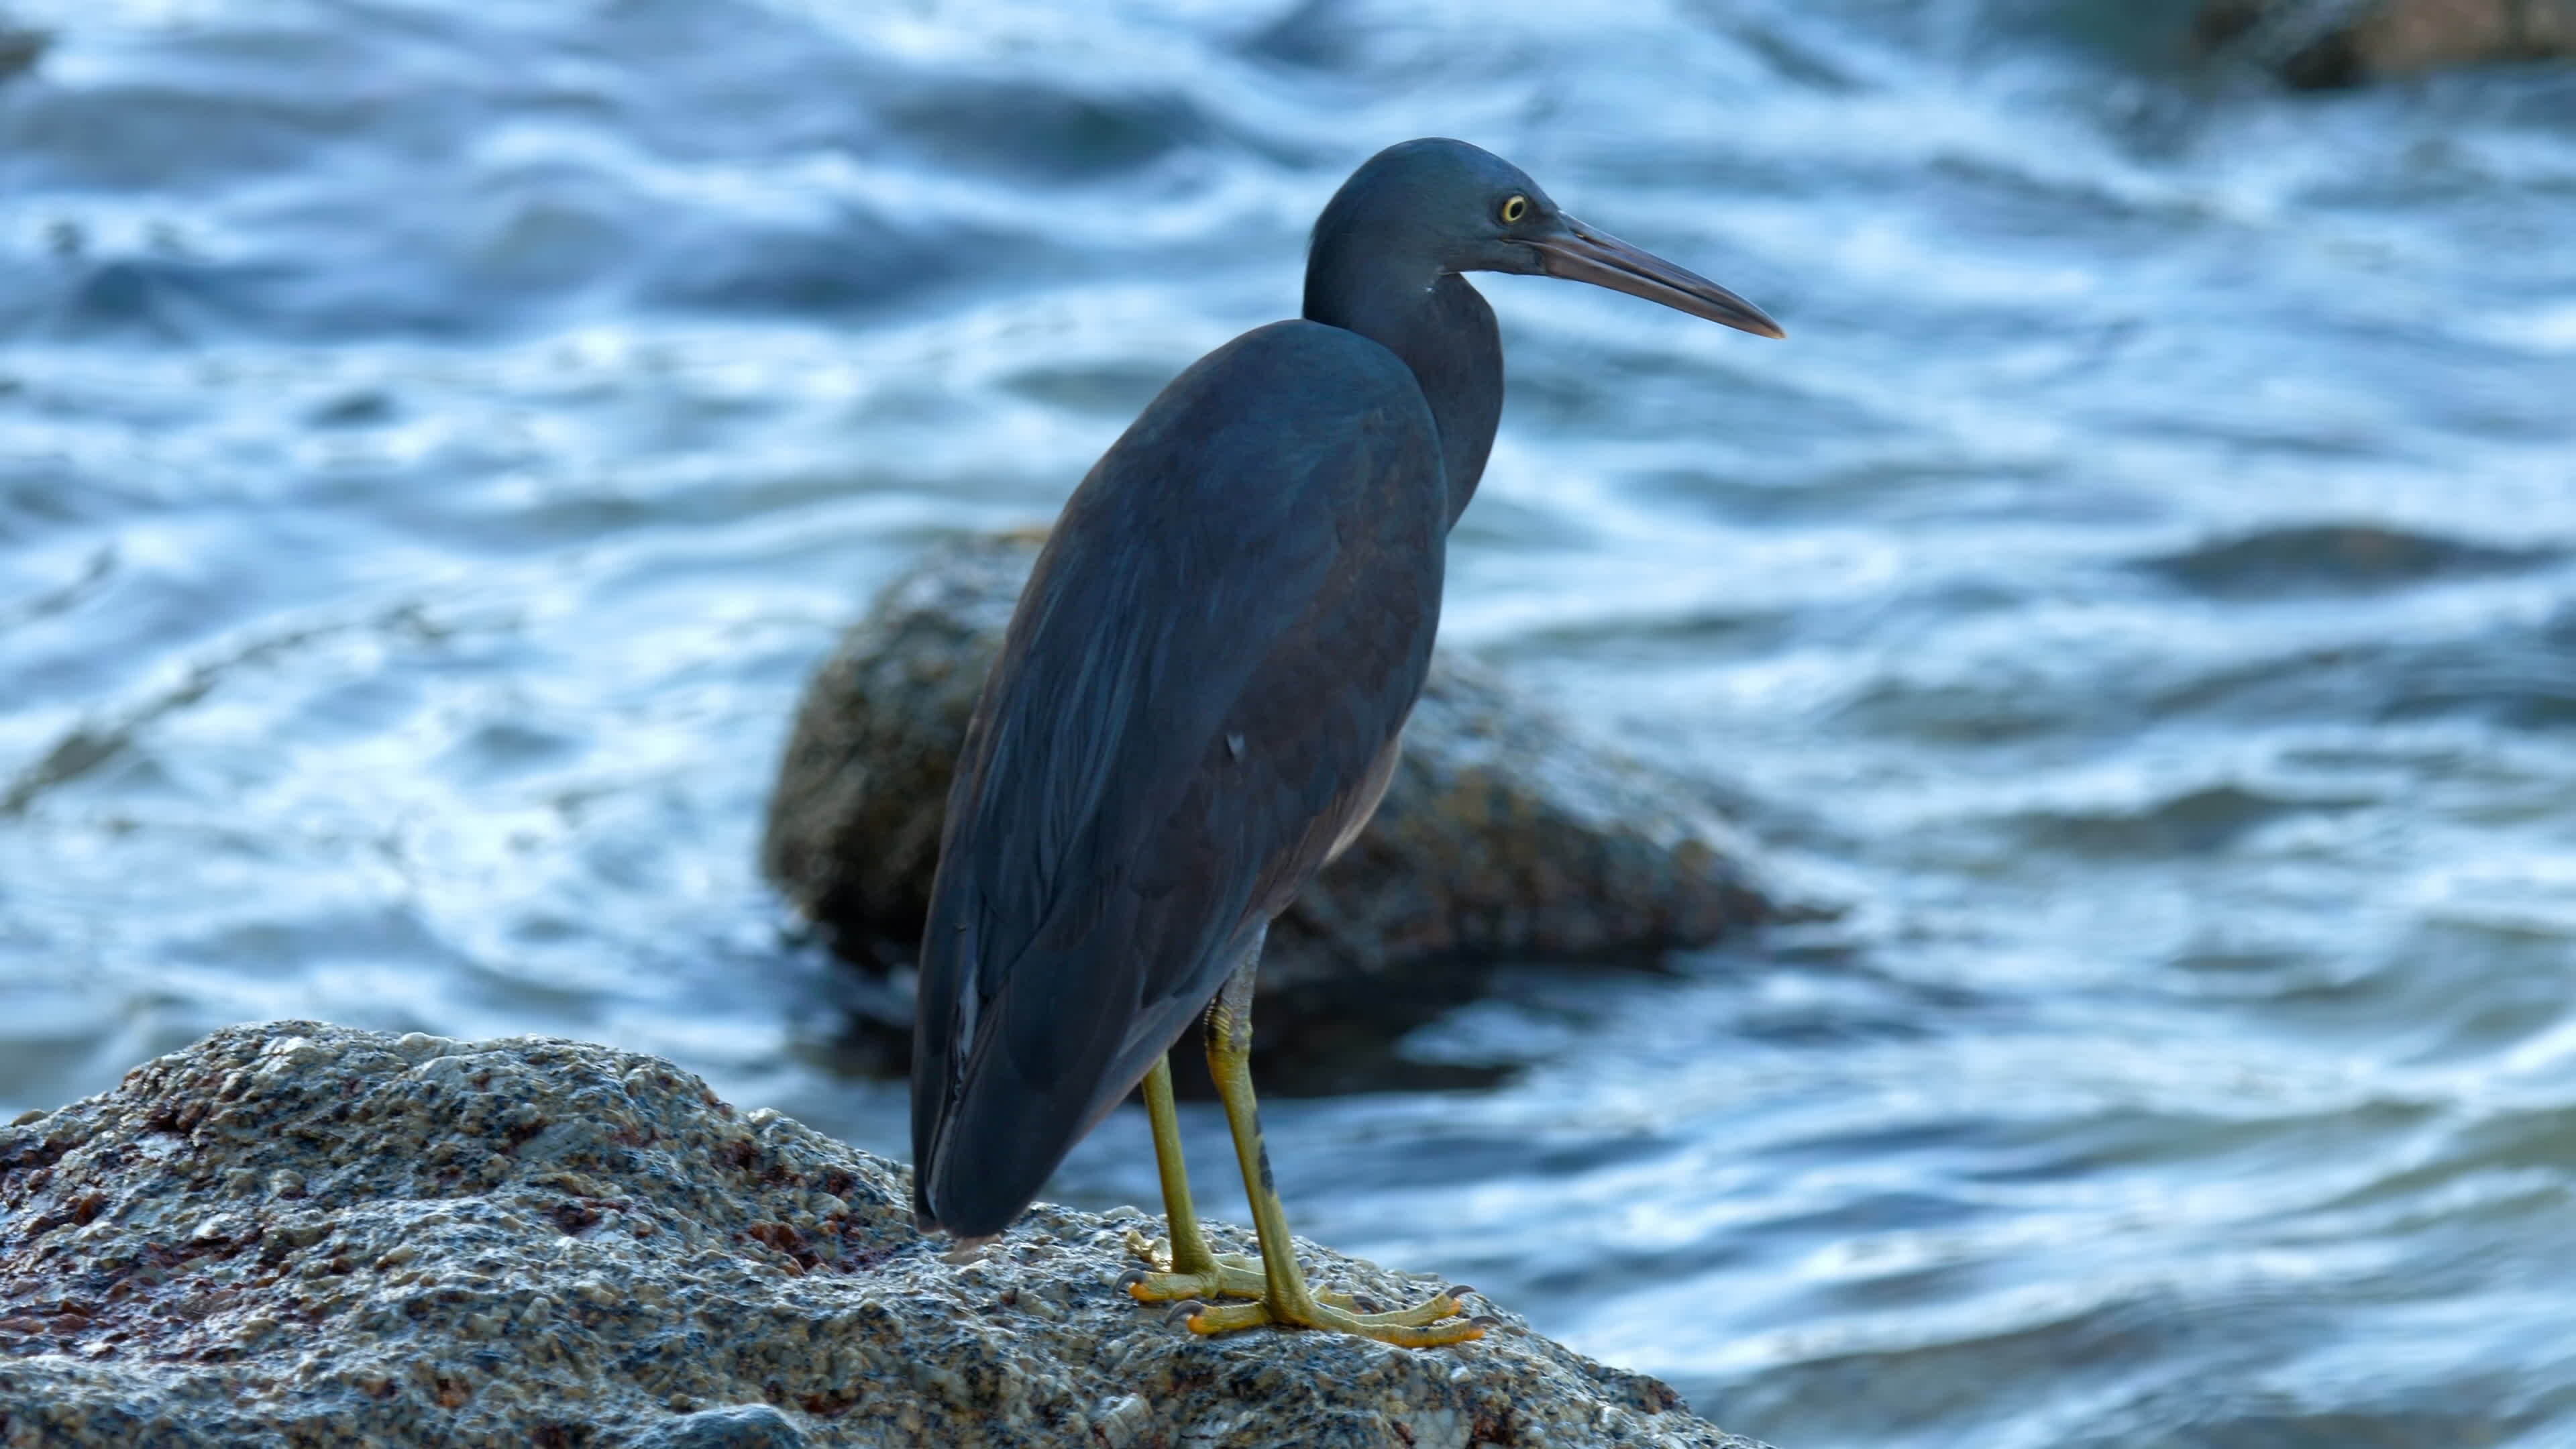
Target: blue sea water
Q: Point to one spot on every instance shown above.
(435, 442)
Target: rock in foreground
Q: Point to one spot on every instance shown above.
(303, 1234)
(2324, 44)
(1501, 837)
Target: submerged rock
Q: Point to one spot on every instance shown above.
(1501, 837)
(20, 49)
(305, 1234)
(2324, 44)
(2299, 559)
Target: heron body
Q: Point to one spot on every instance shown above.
(1200, 699)
(1120, 740)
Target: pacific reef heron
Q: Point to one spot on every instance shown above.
(1198, 704)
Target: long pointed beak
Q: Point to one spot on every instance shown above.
(1580, 253)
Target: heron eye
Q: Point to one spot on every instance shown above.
(1514, 208)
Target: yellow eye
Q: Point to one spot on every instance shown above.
(1514, 208)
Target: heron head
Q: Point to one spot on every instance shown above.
(1464, 209)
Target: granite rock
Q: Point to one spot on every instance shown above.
(298, 1234)
(2326, 44)
(1503, 836)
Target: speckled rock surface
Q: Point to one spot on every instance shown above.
(2323, 44)
(299, 1234)
(1502, 837)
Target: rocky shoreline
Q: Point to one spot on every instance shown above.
(304, 1234)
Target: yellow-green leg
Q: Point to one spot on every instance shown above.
(1188, 1270)
(1284, 1296)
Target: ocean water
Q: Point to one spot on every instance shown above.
(435, 441)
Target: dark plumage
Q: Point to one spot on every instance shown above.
(1222, 637)
(1200, 696)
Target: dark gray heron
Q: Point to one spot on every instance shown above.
(1199, 702)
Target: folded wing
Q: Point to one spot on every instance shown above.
(1206, 674)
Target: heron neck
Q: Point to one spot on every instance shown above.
(1445, 333)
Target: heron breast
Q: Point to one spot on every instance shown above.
(1364, 800)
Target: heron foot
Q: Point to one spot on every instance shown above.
(1421, 1326)
(1225, 1275)
(1228, 1275)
